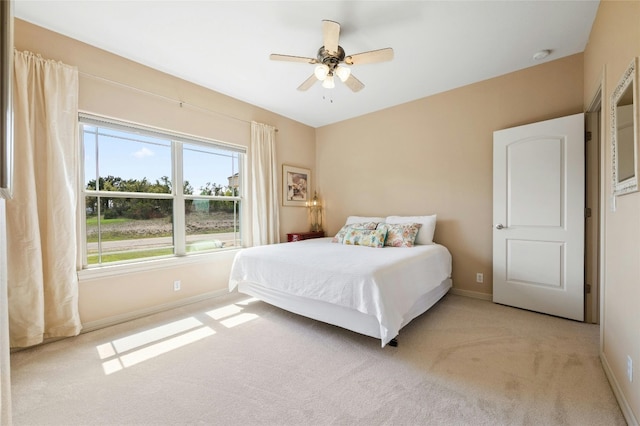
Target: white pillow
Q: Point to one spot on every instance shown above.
(425, 235)
(363, 219)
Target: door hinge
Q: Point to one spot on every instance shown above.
(587, 136)
(587, 288)
(587, 212)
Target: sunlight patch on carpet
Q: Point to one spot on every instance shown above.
(128, 351)
(148, 352)
(224, 312)
(247, 301)
(142, 346)
(233, 313)
(238, 319)
(155, 334)
(165, 346)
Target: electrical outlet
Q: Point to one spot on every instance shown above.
(479, 277)
(629, 368)
(176, 285)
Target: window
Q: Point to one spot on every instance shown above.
(149, 193)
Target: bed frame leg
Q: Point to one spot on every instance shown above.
(393, 342)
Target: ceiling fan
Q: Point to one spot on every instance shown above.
(330, 57)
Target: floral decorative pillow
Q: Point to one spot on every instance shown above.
(365, 237)
(425, 236)
(339, 237)
(401, 234)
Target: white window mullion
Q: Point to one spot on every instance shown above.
(122, 194)
(244, 217)
(179, 226)
(82, 204)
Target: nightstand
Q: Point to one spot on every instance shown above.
(299, 236)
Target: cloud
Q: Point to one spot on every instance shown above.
(144, 152)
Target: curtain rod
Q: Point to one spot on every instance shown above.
(179, 102)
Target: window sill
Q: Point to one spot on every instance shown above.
(152, 264)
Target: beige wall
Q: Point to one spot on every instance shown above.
(106, 82)
(434, 155)
(613, 43)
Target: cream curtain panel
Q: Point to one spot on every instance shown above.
(265, 220)
(5, 362)
(41, 216)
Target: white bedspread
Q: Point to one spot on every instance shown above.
(383, 282)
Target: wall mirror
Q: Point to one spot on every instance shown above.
(6, 84)
(624, 134)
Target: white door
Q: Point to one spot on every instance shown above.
(538, 217)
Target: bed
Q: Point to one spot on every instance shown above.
(372, 291)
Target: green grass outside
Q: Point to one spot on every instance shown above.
(118, 236)
(114, 235)
(92, 259)
(93, 220)
(132, 255)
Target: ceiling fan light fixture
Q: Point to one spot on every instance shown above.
(343, 73)
(321, 72)
(328, 82)
(329, 58)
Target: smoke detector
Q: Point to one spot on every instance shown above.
(541, 54)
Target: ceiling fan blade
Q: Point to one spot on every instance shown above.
(370, 57)
(330, 35)
(289, 58)
(306, 85)
(353, 83)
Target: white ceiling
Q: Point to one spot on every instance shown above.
(225, 45)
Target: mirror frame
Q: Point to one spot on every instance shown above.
(6, 98)
(628, 79)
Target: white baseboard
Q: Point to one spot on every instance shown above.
(118, 319)
(473, 294)
(617, 391)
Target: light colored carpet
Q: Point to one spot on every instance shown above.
(228, 362)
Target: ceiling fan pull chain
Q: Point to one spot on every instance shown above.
(324, 98)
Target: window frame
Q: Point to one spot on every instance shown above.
(177, 140)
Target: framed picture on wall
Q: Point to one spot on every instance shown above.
(296, 185)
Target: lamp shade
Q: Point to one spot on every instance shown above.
(343, 73)
(328, 82)
(321, 72)
(315, 213)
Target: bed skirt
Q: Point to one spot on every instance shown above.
(341, 316)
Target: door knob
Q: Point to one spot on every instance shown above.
(500, 226)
